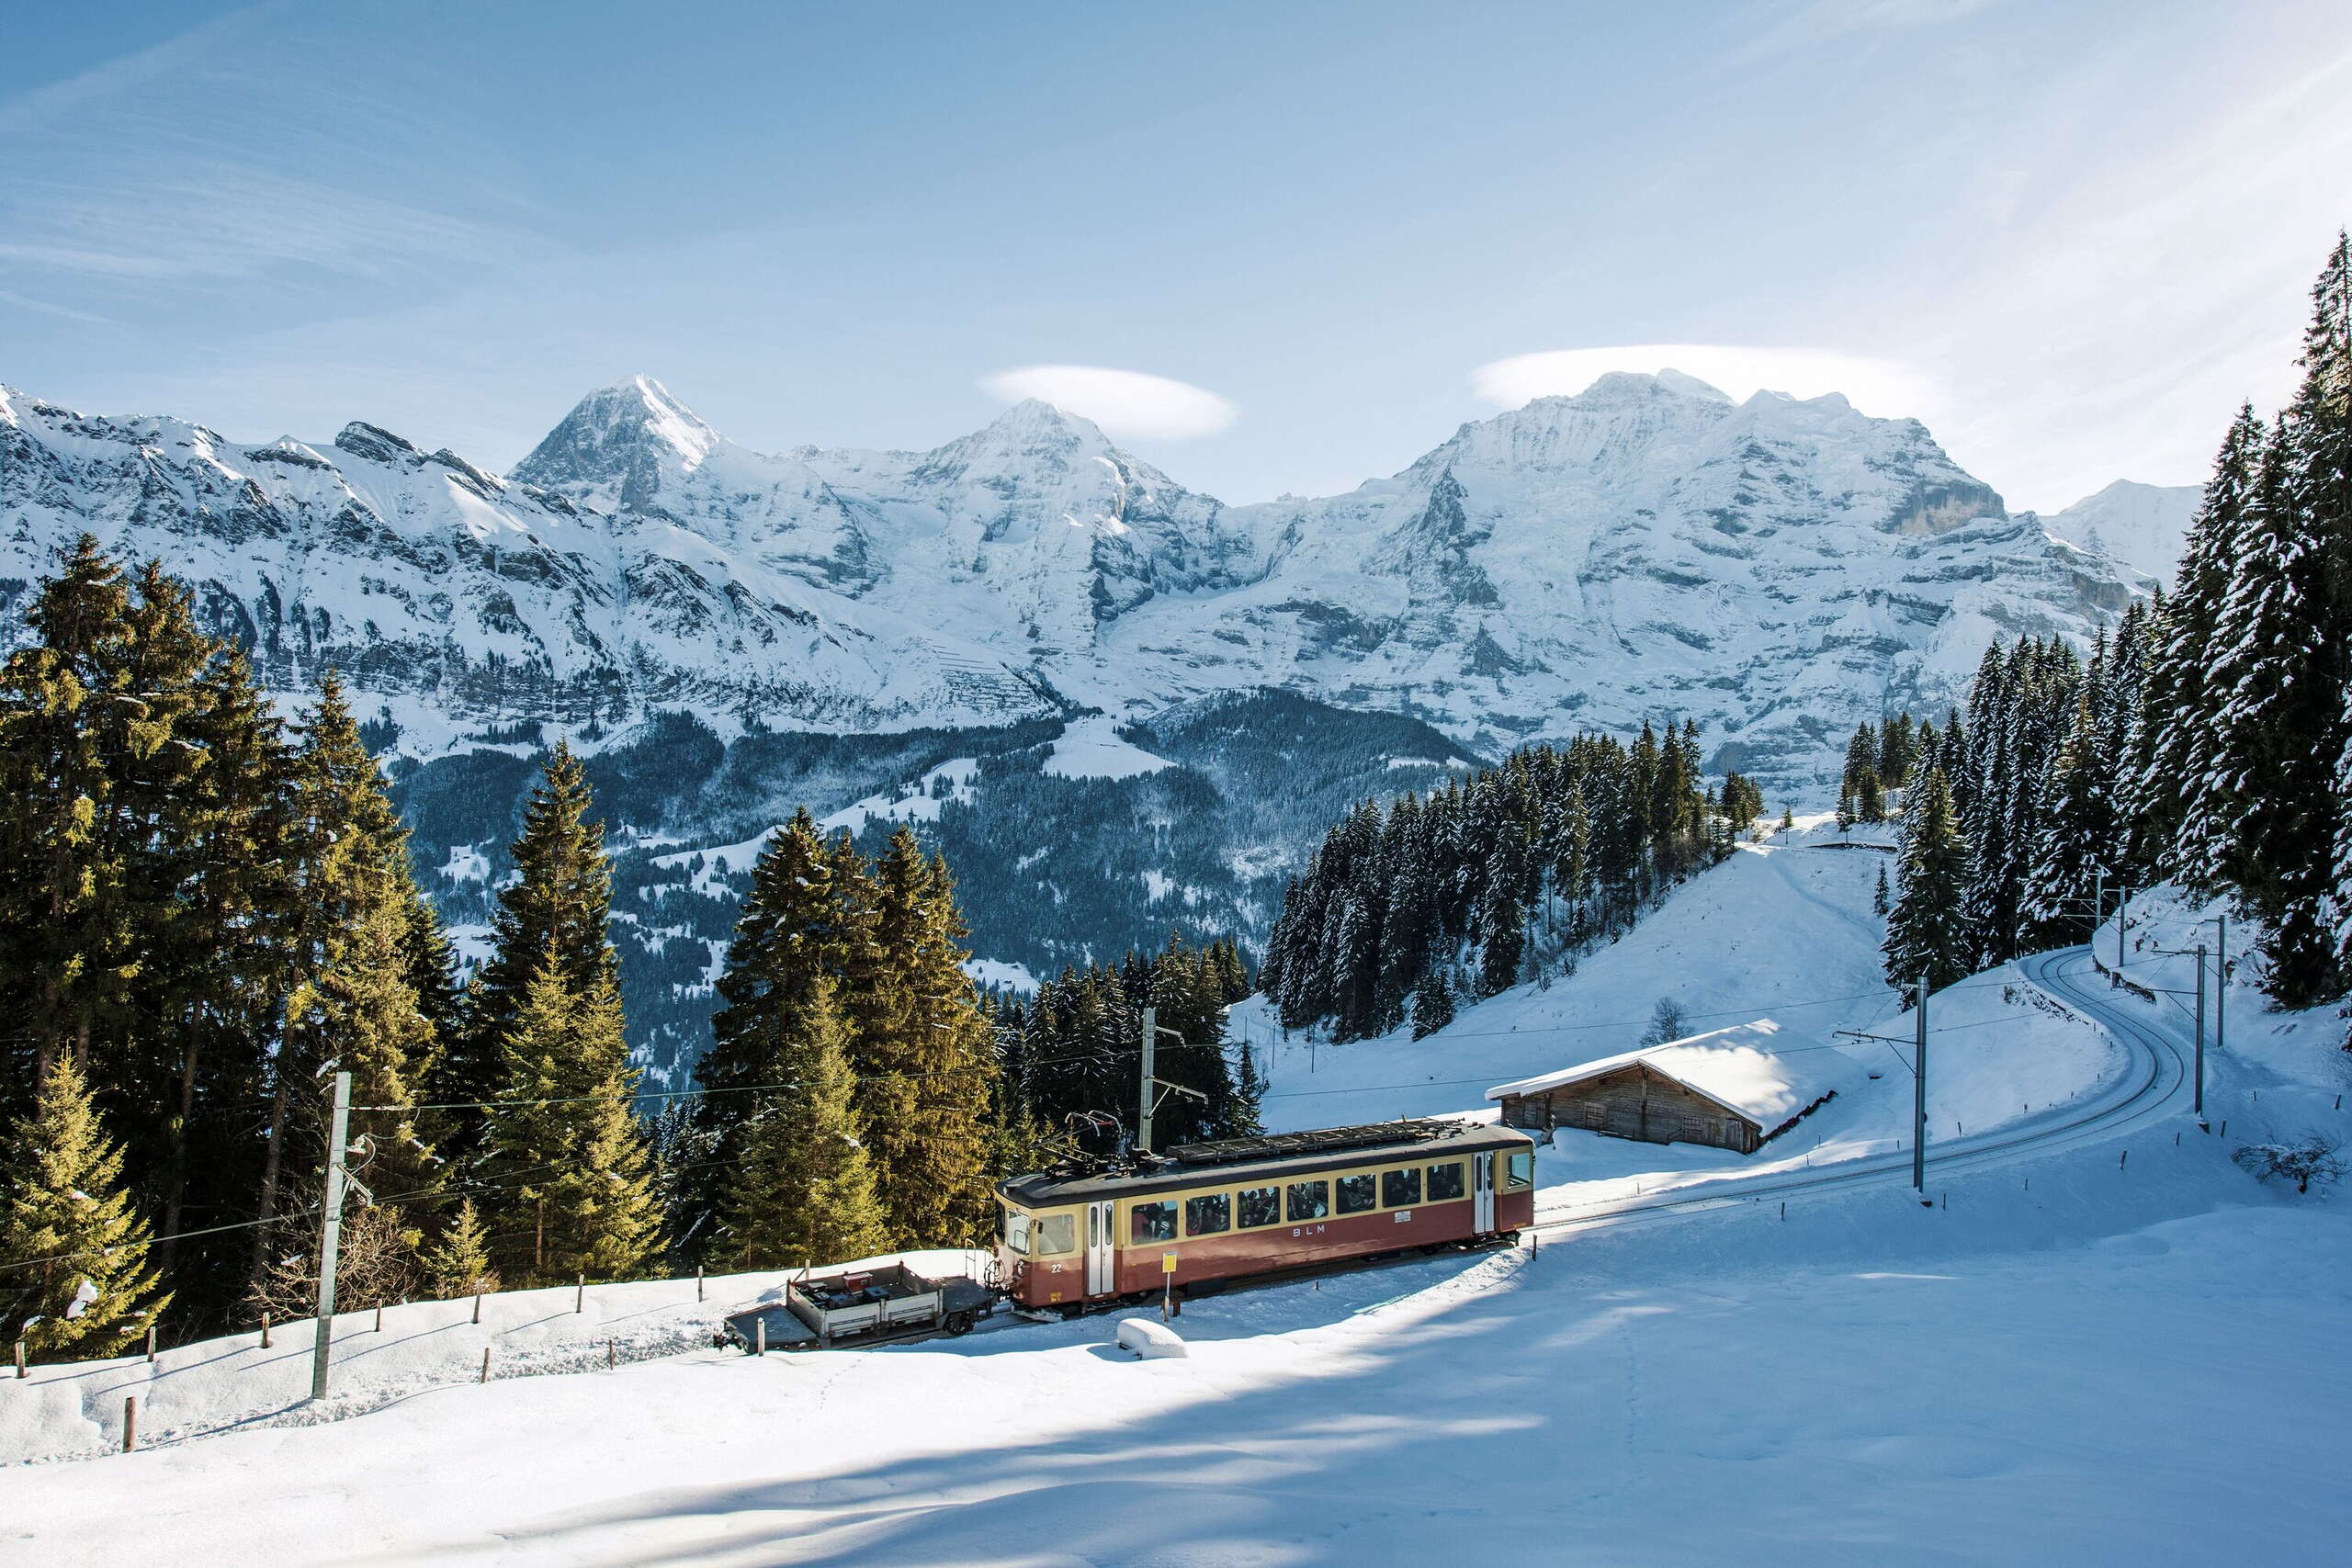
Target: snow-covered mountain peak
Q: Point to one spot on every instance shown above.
(619, 444)
(2141, 526)
(1675, 381)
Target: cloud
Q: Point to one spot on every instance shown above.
(1877, 387)
(1123, 402)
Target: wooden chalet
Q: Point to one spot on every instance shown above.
(1730, 1089)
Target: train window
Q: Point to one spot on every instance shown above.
(1446, 1181)
(1153, 1222)
(1207, 1215)
(1401, 1188)
(1520, 1172)
(1260, 1206)
(1357, 1194)
(1016, 1230)
(1309, 1199)
(1053, 1233)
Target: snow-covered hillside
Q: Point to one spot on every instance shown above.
(2118, 1350)
(1783, 932)
(1778, 569)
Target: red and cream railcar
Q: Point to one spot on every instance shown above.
(1208, 1212)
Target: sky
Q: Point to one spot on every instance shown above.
(1270, 247)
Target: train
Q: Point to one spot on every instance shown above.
(1094, 1233)
(1203, 1216)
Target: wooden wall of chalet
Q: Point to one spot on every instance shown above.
(1634, 1101)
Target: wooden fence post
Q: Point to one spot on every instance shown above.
(380, 1317)
(580, 1295)
(760, 1335)
(612, 1354)
(129, 1423)
(264, 1331)
(697, 1281)
(20, 1358)
(485, 1363)
(151, 1344)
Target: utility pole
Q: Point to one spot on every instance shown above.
(1151, 1054)
(1919, 1098)
(2122, 916)
(2200, 1032)
(2098, 896)
(330, 1232)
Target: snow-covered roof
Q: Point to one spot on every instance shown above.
(1740, 1068)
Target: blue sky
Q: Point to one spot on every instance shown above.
(2071, 236)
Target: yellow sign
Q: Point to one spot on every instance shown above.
(1168, 1263)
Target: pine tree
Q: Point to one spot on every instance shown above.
(1927, 932)
(564, 1159)
(803, 1191)
(458, 1264)
(74, 1273)
(1879, 903)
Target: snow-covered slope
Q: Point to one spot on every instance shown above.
(1776, 568)
(2142, 527)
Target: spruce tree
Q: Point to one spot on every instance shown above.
(354, 1005)
(1927, 932)
(565, 1171)
(803, 1189)
(559, 902)
(1432, 1004)
(1879, 901)
(74, 1274)
(795, 932)
(458, 1264)
(922, 1053)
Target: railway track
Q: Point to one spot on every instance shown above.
(2153, 1086)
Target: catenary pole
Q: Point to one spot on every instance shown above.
(2201, 1032)
(1919, 1096)
(330, 1232)
(2221, 984)
(1150, 1045)
(2122, 918)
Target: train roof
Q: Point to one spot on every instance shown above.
(1277, 1155)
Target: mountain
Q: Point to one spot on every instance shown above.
(2140, 526)
(890, 635)
(1775, 568)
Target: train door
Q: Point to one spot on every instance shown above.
(1482, 1193)
(1102, 1260)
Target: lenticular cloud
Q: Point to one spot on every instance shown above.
(1123, 402)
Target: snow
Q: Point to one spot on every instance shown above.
(1091, 748)
(2099, 1342)
(2143, 527)
(1738, 1067)
(996, 972)
(1782, 930)
(1607, 559)
(1997, 1378)
(1150, 1341)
